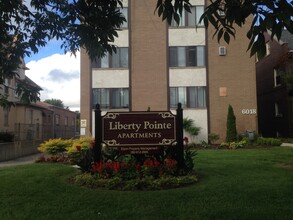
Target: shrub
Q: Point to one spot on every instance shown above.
(148, 183)
(189, 127)
(6, 136)
(213, 138)
(80, 153)
(204, 144)
(262, 141)
(231, 132)
(55, 147)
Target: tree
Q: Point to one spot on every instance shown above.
(231, 132)
(224, 15)
(93, 25)
(55, 102)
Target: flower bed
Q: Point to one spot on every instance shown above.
(119, 171)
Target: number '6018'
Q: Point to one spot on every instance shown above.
(251, 111)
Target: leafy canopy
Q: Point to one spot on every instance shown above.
(93, 24)
(55, 102)
(25, 27)
(225, 15)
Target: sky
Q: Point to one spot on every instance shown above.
(58, 74)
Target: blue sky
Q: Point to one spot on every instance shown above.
(58, 74)
(51, 48)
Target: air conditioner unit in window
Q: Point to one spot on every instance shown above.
(222, 51)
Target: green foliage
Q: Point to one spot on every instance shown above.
(189, 127)
(262, 141)
(231, 132)
(213, 138)
(235, 144)
(189, 157)
(55, 146)
(204, 144)
(55, 102)
(6, 136)
(90, 24)
(114, 166)
(149, 183)
(273, 16)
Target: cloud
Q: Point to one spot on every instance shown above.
(59, 77)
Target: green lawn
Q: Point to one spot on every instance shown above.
(234, 184)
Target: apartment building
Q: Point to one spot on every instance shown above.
(158, 65)
(34, 121)
(274, 94)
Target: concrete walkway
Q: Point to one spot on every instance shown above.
(20, 161)
(287, 145)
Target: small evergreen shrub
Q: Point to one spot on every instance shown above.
(231, 132)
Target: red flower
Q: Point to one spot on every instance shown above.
(78, 148)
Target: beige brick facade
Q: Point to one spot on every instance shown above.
(233, 75)
(149, 71)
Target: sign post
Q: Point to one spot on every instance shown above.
(97, 148)
(179, 136)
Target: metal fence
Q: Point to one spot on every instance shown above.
(26, 132)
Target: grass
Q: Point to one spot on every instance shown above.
(234, 184)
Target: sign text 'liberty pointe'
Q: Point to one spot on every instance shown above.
(136, 129)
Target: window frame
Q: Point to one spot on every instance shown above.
(175, 59)
(110, 98)
(277, 78)
(185, 18)
(108, 61)
(186, 102)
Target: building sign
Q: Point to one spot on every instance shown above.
(139, 132)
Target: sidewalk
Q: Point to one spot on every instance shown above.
(20, 161)
(286, 145)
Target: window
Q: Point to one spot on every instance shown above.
(57, 119)
(189, 97)
(277, 78)
(73, 122)
(6, 86)
(116, 60)
(277, 110)
(6, 116)
(30, 116)
(187, 56)
(111, 97)
(124, 11)
(66, 121)
(190, 19)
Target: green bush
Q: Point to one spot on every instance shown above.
(6, 136)
(262, 141)
(55, 147)
(231, 132)
(213, 138)
(148, 183)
